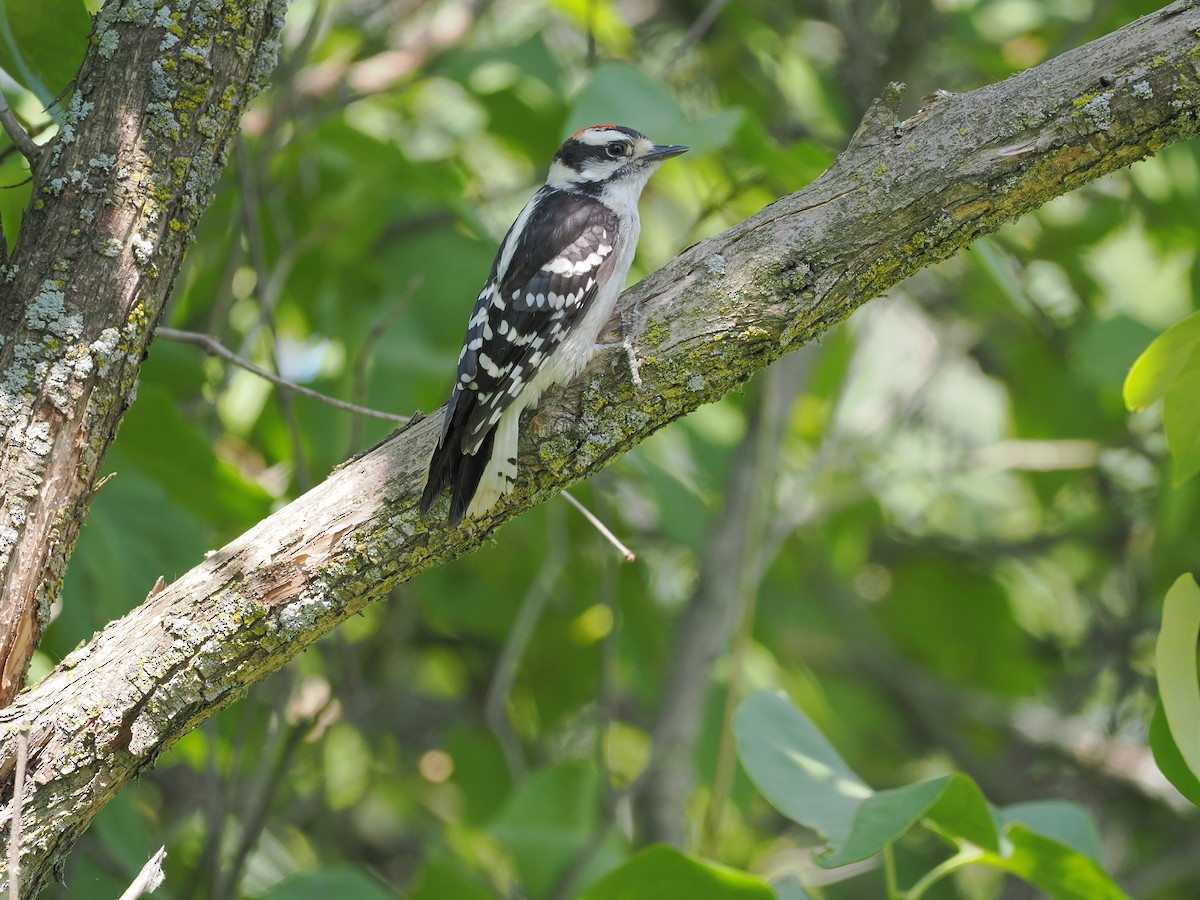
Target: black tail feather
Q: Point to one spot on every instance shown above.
(460, 471)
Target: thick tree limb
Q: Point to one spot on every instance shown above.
(899, 198)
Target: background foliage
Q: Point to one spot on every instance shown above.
(966, 539)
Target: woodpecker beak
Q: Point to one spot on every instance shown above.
(663, 151)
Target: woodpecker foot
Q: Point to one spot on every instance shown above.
(628, 330)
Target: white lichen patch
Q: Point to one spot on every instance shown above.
(715, 264)
(104, 350)
(47, 313)
(143, 249)
(1099, 112)
(1142, 90)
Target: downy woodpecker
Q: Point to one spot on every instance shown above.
(552, 288)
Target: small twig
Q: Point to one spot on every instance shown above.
(149, 879)
(20, 137)
(601, 527)
(216, 348)
(14, 827)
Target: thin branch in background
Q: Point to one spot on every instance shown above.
(600, 527)
(149, 879)
(14, 826)
(20, 137)
(362, 360)
(699, 28)
(496, 706)
(216, 348)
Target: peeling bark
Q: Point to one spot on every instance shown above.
(903, 195)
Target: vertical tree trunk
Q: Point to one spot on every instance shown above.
(116, 198)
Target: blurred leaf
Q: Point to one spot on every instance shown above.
(344, 884)
(160, 442)
(42, 43)
(796, 768)
(789, 888)
(1162, 362)
(1063, 873)
(1168, 758)
(622, 94)
(952, 802)
(548, 819)
(1175, 657)
(1181, 421)
(437, 882)
(666, 874)
(1067, 823)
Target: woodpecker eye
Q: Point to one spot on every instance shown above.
(615, 150)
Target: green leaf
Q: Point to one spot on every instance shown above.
(42, 43)
(1168, 758)
(345, 884)
(1061, 872)
(1181, 421)
(953, 803)
(1175, 656)
(666, 874)
(1068, 823)
(796, 768)
(1162, 362)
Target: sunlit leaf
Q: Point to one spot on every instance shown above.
(1063, 873)
(796, 768)
(1162, 362)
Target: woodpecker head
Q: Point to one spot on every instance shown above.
(604, 156)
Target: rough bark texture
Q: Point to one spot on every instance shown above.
(116, 199)
(903, 195)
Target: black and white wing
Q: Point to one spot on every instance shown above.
(554, 259)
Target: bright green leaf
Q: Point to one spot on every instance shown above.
(1168, 758)
(796, 768)
(42, 43)
(1056, 869)
(1175, 655)
(1161, 363)
(1181, 421)
(666, 874)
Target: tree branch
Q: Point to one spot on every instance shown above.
(897, 199)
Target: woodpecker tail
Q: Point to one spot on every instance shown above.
(476, 480)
